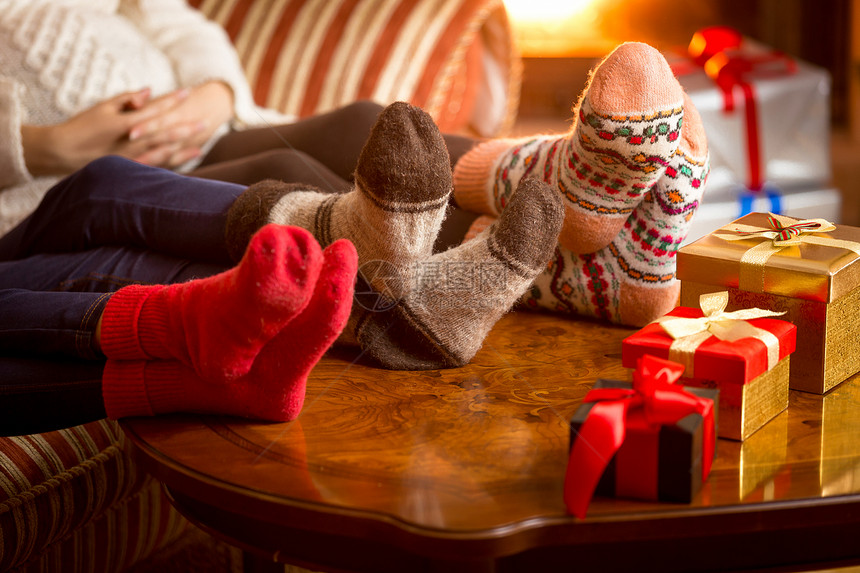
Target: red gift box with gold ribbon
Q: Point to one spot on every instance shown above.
(650, 439)
(745, 354)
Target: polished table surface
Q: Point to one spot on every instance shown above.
(462, 469)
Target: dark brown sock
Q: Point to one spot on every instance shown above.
(402, 185)
(441, 317)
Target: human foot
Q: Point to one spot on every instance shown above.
(632, 280)
(455, 297)
(218, 324)
(392, 216)
(626, 129)
(273, 389)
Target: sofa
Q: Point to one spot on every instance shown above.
(454, 58)
(72, 498)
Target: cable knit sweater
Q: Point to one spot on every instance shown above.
(60, 57)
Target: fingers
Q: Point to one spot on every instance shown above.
(156, 115)
(138, 100)
(169, 130)
(131, 101)
(184, 131)
(169, 155)
(169, 147)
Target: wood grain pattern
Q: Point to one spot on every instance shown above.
(468, 464)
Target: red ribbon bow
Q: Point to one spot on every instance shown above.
(653, 401)
(785, 232)
(718, 51)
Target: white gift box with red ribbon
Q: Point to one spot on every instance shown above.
(767, 119)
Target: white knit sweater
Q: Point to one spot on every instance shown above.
(60, 57)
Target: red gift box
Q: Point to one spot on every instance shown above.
(652, 439)
(751, 372)
(718, 360)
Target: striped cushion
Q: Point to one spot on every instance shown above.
(454, 58)
(73, 500)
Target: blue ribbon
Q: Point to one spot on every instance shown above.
(746, 199)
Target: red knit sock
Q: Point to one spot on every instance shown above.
(293, 353)
(273, 389)
(217, 325)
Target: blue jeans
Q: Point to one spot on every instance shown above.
(111, 224)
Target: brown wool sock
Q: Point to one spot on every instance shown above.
(454, 298)
(392, 216)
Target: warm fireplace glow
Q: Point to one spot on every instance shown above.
(558, 28)
(591, 28)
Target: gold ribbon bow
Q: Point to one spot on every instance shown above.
(689, 333)
(784, 232)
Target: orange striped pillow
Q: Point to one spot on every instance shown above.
(75, 496)
(304, 57)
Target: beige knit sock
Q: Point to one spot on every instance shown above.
(627, 126)
(392, 216)
(413, 309)
(455, 297)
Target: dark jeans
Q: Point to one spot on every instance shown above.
(111, 224)
(116, 222)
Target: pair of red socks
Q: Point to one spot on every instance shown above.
(238, 343)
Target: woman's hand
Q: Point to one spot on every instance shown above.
(98, 131)
(165, 132)
(180, 129)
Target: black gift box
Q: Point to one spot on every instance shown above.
(679, 464)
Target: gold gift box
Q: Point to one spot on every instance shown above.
(817, 285)
(834, 441)
(744, 408)
(759, 458)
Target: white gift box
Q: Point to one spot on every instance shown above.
(793, 127)
(789, 129)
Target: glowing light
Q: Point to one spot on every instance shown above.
(557, 27)
(545, 10)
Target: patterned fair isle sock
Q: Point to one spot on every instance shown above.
(274, 388)
(217, 325)
(626, 129)
(455, 297)
(392, 216)
(632, 281)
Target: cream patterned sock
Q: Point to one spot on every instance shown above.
(632, 280)
(626, 129)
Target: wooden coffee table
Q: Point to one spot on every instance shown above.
(462, 470)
